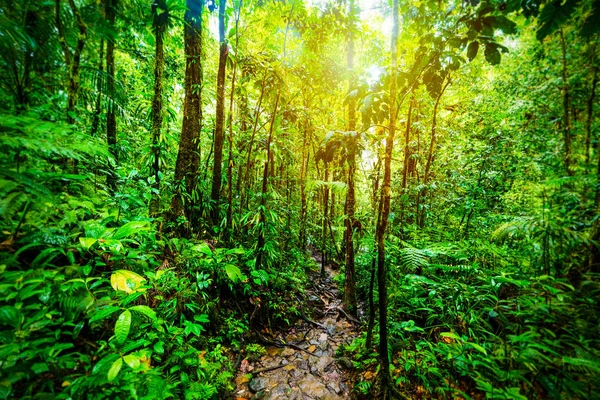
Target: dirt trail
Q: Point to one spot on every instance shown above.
(306, 367)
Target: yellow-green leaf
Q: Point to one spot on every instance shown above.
(127, 281)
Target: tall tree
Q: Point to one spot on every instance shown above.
(186, 166)
(349, 282)
(160, 13)
(215, 195)
(384, 210)
(72, 56)
(111, 119)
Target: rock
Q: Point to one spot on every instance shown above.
(323, 345)
(279, 392)
(335, 387)
(288, 351)
(345, 362)
(311, 386)
(257, 384)
(323, 363)
(323, 337)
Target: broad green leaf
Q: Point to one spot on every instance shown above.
(147, 311)
(203, 248)
(114, 369)
(127, 281)
(130, 229)
(10, 315)
(234, 273)
(202, 318)
(104, 312)
(123, 326)
(87, 242)
(132, 360)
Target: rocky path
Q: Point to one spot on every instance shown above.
(306, 367)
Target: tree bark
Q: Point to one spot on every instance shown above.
(186, 167)
(215, 194)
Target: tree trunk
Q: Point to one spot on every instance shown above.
(215, 194)
(384, 208)
(157, 104)
(111, 120)
(325, 215)
(248, 158)
(97, 106)
(590, 115)
(349, 282)
(229, 225)
(431, 154)
(263, 199)
(186, 167)
(72, 57)
(566, 120)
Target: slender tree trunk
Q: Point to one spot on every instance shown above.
(186, 167)
(97, 107)
(215, 195)
(303, 171)
(349, 282)
(263, 200)
(111, 120)
(325, 217)
(72, 57)
(157, 104)
(250, 145)
(384, 207)
(566, 120)
(406, 145)
(229, 225)
(430, 154)
(590, 115)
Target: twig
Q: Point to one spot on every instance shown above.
(267, 369)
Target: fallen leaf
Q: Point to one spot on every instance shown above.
(312, 348)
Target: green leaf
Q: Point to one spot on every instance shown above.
(492, 55)
(202, 318)
(159, 347)
(104, 312)
(132, 360)
(5, 388)
(147, 311)
(451, 335)
(477, 347)
(122, 326)
(114, 369)
(203, 248)
(591, 24)
(10, 315)
(87, 242)
(552, 16)
(233, 272)
(127, 281)
(130, 229)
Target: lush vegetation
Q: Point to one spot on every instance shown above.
(168, 168)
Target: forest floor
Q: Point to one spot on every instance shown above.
(300, 363)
